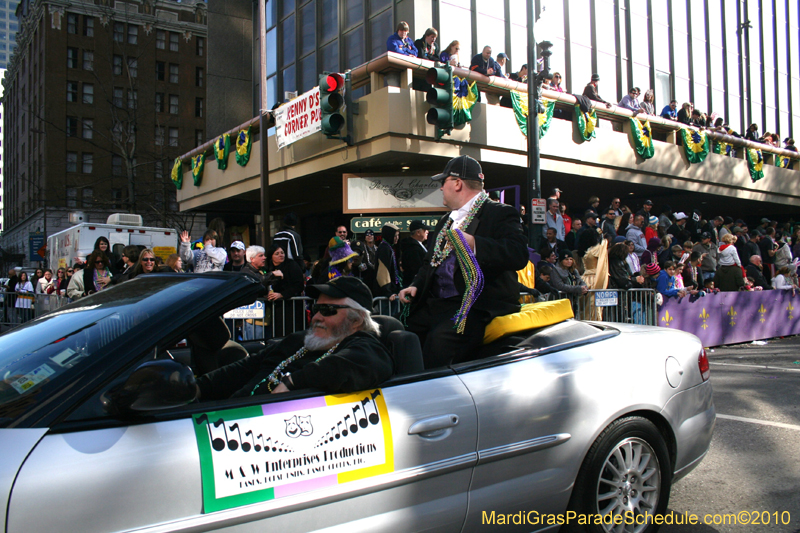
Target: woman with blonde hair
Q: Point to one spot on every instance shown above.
(730, 277)
(649, 102)
(450, 54)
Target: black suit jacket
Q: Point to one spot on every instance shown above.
(412, 255)
(502, 249)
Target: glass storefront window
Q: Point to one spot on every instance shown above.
(330, 17)
(288, 40)
(380, 28)
(354, 14)
(663, 90)
(272, 91)
(681, 90)
(661, 47)
(308, 28)
(354, 48)
(330, 57)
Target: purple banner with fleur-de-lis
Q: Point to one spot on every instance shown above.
(733, 317)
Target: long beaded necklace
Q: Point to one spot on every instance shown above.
(275, 377)
(443, 247)
(473, 276)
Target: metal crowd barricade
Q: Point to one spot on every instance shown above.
(632, 306)
(16, 308)
(267, 319)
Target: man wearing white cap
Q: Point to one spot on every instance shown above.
(678, 229)
(236, 259)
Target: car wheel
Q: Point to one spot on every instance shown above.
(626, 474)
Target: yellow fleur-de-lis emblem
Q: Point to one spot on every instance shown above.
(790, 309)
(705, 316)
(763, 313)
(732, 314)
(666, 319)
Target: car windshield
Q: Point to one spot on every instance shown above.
(45, 350)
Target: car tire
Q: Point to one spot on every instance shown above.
(627, 470)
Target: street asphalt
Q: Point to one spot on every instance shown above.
(753, 467)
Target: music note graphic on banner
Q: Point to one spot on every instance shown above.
(354, 426)
(338, 430)
(374, 418)
(246, 445)
(344, 431)
(217, 443)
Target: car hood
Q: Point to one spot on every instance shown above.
(16, 445)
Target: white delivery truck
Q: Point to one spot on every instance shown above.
(74, 244)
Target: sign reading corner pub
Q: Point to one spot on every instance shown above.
(382, 193)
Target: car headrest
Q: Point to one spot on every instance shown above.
(388, 324)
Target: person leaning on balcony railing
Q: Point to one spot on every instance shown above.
(590, 91)
(685, 113)
(752, 133)
(631, 101)
(670, 112)
(400, 42)
(426, 46)
(450, 54)
(649, 102)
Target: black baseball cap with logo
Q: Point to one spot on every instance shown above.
(463, 167)
(344, 287)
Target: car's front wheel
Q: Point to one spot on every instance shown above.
(625, 479)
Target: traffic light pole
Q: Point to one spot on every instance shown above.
(534, 171)
(263, 127)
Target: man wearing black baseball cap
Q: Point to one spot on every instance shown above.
(493, 232)
(339, 353)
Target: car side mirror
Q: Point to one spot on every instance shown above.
(155, 385)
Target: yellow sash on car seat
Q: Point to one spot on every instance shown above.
(531, 316)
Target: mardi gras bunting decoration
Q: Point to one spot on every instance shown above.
(243, 144)
(587, 122)
(642, 138)
(198, 164)
(177, 173)
(696, 144)
(723, 148)
(465, 94)
(519, 101)
(784, 162)
(755, 164)
(222, 147)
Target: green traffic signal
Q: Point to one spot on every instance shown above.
(440, 96)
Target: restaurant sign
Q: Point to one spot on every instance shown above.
(391, 194)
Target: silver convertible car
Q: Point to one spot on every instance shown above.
(576, 424)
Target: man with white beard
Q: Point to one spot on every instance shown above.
(339, 353)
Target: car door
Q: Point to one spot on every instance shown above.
(407, 466)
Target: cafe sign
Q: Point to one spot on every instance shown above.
(359, 225)
(382, 193)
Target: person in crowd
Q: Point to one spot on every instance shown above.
(594, 204)
(45, 284)
(483, 63)
(631, 101)
(501, 61)
(37, 275)
(555, 83)
(566, 278)
(25, 297)
(609, 226)
(646, 209)
(650, 255)
(685, 113)
(543, 277)
(104, 246)
(625, 220)
(635, 234)
(706, 247)
(591, 234)
(426, 46)
(284, 279)
(94, 278)
(678, 228)
(665, 218)
(413, 249)
(553, 219)
(550, 260)
(768, 249)
(174, 264)
(666, 282)
(726, 227)
(290, 240)
(342, 258)
(615, 205)
(670, 111)
(767, 139)
(649, 102)
(59, 286)
(590, 91)
(562, 208)
(783, 255)
(752, 133)
(572, 237)
(522, 77)
(755, 270)
(698, 119)
(730, 277)
(620, 275)
(632, 260)
(340, 352)
(493, 232)
(236, 258)
(130, 254)
(450, 54)
(551, 244)
(388, 277)
(669, 252)
(209, 259)
(652, 227)
(400, 43)
(11, 284)
(788, 144)
(368, 259)
(146, 263)
(784, 281)
(692, 274)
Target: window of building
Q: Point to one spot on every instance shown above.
(158, 170)
(160, 70)
(117, 65)
(88, 60)
(133, 67)
(133, 34)
(133, 99)
(199, 76)
(72, 127)
(173, 41)
(72, 197)
(200, 48)
(308, 28)
(161, 39)
(72, 91)
(72, 57)
(72, 23)
(353, 13)
(87, 193)
(199, 138)
(198, 107)
(173, 73)
(88, 26)
(72, 161)
(119, 32)
(87, 163)
(88, 128)
(159, 136)
(288, 41)
(88, 93)
(173, 104)
(173, 136)
(116, 198)
(118, 97)
(116, 165)
(159, 102)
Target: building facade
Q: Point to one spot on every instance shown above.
(100, 97)
(8, 30)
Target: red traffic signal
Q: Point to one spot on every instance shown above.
(329, 83)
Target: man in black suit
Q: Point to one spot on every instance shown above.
(413, 250)
(494, 233)
(551, 244)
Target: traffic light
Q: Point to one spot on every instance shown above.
(330, 100)
(440, 96)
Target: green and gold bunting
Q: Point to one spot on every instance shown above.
(723, 148)
(755, 164)
(177, 173)
(642, 137)
(222, 147)
(243, 144)
(783, 162)
(519, 101)
(696, 144)
(198, 164)
(465, 94)
(587, 122)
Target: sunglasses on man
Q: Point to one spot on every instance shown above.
(327, 309)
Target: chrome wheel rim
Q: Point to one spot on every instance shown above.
(629, 486)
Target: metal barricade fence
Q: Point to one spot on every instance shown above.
(16, 308)
(631, 306)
